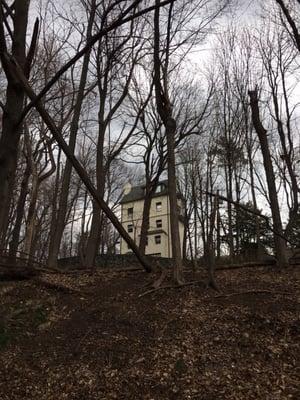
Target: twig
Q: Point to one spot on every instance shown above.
(249, 292)
(58, 287)
(172, 287)
(76, 350)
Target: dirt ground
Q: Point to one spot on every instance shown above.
(100, 340)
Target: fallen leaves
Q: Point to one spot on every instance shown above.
(97, 340)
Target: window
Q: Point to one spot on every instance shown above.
(158, 206)
(130, 212)
(158, 189)
(158, 223)
(130, 228)
(157, 239)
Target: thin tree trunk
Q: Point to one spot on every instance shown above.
(54, 208)
(176, 250)
(14, 243)
(252, 182)
(209, 250)
(230, 218)
(56, 237)
(76, 164)
(145, 221)
(30, 223)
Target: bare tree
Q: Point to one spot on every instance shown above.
(280, 242)
(59, 221)
(13, 17)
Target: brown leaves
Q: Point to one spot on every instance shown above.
(99, 341)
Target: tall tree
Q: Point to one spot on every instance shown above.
(164, 109)
(13, 23)
(280, 242)
(59, 219)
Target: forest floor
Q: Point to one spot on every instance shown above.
(98, 339)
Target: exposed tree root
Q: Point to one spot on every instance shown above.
(212, 284)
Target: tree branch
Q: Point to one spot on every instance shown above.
(120, 21)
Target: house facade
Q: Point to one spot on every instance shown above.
(159, 233)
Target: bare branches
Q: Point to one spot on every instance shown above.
(121, 20)
(291, 22)
(77, 166)
(32, 48)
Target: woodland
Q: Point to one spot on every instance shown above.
(96, 94)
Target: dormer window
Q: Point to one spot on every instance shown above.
(159, 188)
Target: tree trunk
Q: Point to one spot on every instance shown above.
(11, 132)
(54, 205)
(164, 109)
(230, 217)
(252, 182)
(56, 236)
(172, 189)
(76, 164)
(95, 231)
(31, 217)
(14, 243)
(280, 242)
(145, 220)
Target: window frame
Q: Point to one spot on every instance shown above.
(159, 188)
(130, 228)
(158, 206)
(158, 223)
(157, 239)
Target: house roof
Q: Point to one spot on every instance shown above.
(137, 193)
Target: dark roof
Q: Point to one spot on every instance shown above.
(137, 193)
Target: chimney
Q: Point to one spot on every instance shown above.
(127, 188)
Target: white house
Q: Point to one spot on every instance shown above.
(159, 233)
